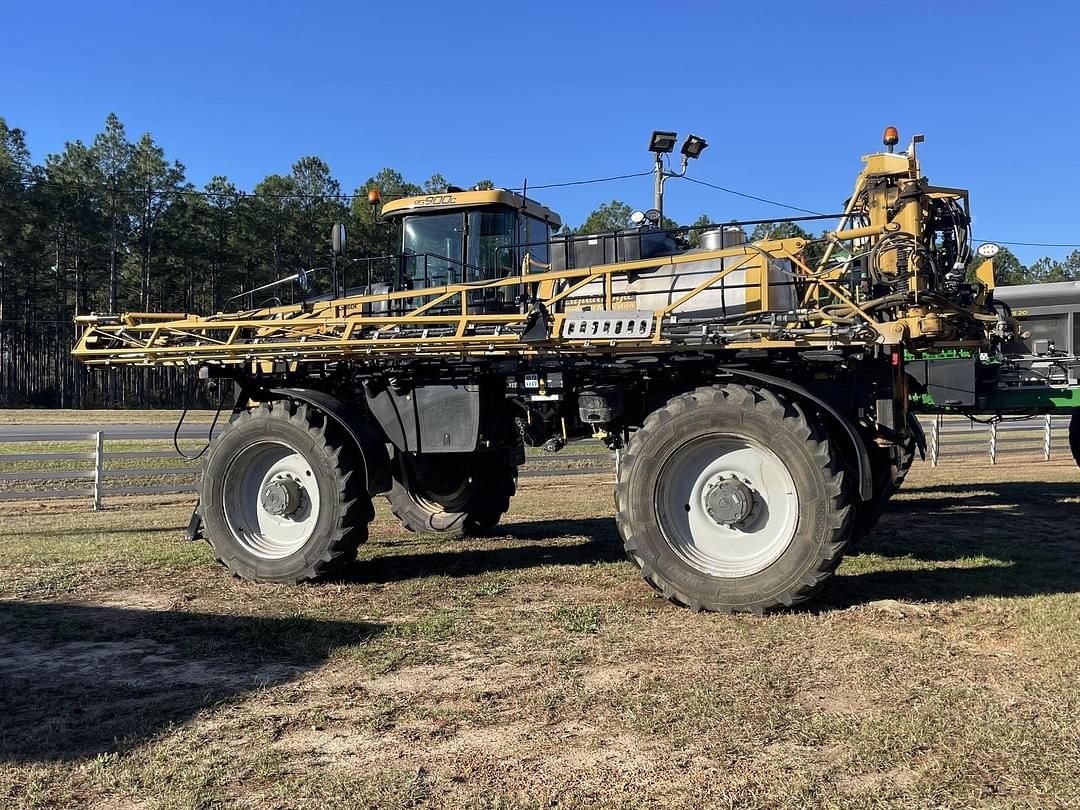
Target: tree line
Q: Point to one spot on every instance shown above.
(115, 226)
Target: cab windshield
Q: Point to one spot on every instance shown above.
(470, 246)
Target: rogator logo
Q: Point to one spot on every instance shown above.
(435, 199)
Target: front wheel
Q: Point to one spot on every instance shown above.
(731, 499)
(279, 498)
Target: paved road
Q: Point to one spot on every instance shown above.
(59, 433)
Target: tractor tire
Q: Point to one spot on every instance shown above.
(1074, 435)
(730, 499)
(888, 479)
(279, 498)
(465, 495)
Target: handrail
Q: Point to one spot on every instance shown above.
(360, 322)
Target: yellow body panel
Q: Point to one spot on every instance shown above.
(450, 201)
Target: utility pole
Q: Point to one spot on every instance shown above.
(663, 143)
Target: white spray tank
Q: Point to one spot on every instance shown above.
(657, 288)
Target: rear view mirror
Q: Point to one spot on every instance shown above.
(303, 279)
(337, 239)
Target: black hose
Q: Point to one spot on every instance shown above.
(210, 432)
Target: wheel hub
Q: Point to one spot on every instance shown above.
(728, 501)
(282, 497)
(728, 504)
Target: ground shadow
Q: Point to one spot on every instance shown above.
(1014, 538)
(77, 681)
(601, 544)
(989, 539)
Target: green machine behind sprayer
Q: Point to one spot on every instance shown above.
(760, 395)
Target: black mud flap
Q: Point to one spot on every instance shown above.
(194, 527)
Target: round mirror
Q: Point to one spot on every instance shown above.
(303, 279)
(337, 239)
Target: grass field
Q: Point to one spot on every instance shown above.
(533, 668)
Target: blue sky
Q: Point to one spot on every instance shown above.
(788, 94)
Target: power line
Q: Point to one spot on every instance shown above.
(808, 211)
(750, 196)
(584, 182)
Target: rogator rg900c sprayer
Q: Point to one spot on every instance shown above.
(760, 396)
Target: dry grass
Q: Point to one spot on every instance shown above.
(534, 669)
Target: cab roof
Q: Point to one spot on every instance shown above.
(454, 200)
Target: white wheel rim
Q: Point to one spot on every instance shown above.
(736, 548)
(455, 497)
(264, 532)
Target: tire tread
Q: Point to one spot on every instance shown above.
(829, 554)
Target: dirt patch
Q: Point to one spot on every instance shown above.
(894, 779)
(839, 700)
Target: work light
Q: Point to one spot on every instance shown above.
(662, 142)
(693, 146)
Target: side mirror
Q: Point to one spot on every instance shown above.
(303, 279)
(337, 239)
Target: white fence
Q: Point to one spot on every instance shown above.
(948, 438)
(97, 474)
(957, 437)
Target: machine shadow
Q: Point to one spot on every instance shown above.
(77, 681)
(1018, 538)
(601, 544)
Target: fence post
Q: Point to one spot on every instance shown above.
(935, 440)
(1048, 437)
(99, 469)
(993, 442)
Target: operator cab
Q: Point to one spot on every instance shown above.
(470, 236)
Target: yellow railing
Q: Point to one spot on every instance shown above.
(353, 327)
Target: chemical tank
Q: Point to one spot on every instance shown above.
(660, 287)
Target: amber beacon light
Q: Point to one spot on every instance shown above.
(891, 137)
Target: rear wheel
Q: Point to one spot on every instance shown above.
(731, 499)
(447, 494)
(888, 475)
(279, 499)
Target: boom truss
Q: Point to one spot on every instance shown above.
(443, 322)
